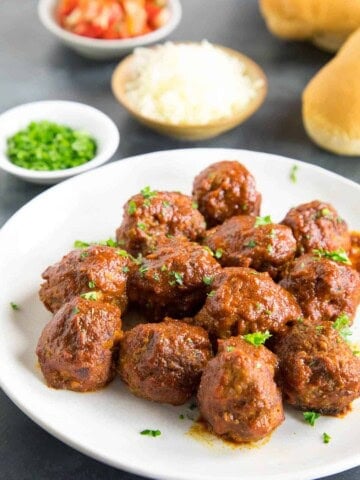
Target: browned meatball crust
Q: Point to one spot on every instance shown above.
(266, 248)
(78, 348)
(97, 268)
(323, 288)
(151, 214)
(244, 301)
(318, 370)
(225, 189)
(317, 225)
(173, 280)
(238, 396)
(163, 362)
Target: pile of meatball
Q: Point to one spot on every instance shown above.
(206, 272)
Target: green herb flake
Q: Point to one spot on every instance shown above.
(75, 310)
(178, 278)
(293, 173)
(311, 417)
(270, 248)
(194, 205)
(156, 277)
(211, 294)
(48, 146)
(151, 433)
(125, 269)
(263, 221)
(337, 255)
(218, 253)
(326, 437)
(143, 269)
(163, 268)
(192, 406)
(141, 226)
(14, 306)
(81, 244)
(84, 255)
(108, 243)
(342, 325)
(122, 253)
(90, 296)
(132, 207)
(230, 348)
(257, 338)
(250, 244)
(91, 284)
(166, 204)
(325, 212)
(181, 416)
(207, 280)
(319, 328)
(146, 192)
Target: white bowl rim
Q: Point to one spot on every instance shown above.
(101, 156)
(44, 11)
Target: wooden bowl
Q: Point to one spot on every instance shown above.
(196, 131)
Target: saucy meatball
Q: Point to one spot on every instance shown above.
(238, 396)
(318, 370)
(163, 362)
(78, 348)
(317, 225)
(245, 301)
(323, 288)
(225, 189)
(173, 280)
(151, 214)
(266, 248)
(97, 268)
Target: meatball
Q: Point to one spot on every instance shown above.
(173, 280)
(318, 370)
(97, 268)
(266, 248)
(225, 189)
(238, 396)
(245, 301)
(317, 225)
(150, 215)
(323, 288)
(78, 348)
(163, 362)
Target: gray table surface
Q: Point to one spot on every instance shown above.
(34, 66)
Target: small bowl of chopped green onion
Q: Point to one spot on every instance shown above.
(46, 142)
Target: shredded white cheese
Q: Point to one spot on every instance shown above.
(188, 84)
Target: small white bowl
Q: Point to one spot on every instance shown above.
(75, 115)
(101, 49)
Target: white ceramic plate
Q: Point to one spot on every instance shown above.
(106, 424)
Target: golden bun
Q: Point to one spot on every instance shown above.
(327, 23)
(331, 101)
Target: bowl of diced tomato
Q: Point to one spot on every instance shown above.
(104, 29)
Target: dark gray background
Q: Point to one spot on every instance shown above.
(34, 66)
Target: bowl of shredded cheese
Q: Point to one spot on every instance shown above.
(189, 91)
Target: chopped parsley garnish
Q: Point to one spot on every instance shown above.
(14, 306)
(163, 268)
(125, 269)
(107, 243)
(143, 269)
(146, 192)
(84, 255)
(319, 328)
(326, 437)
(122, 253)
(75, 310)
(268, 312)
(342, 324)
(181, 416)
(90, 295)
(141, 226)
(178, 278)
(325, 212)
(194, 205)
(257, 338)
(207, 280)
(212, 293)
(156, 277)
(262, 221)
(269, 248)
(91, 284)
(166, 204)
(311, 417)
(272, 233)
(230, 348)
(250, 244)
(132, 207)
(81, 244)
(293, 173)
(48, 146)
(356, 352)
(151, 433)
(218, 253)
(337, 255)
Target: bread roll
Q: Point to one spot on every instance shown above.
(331, 101)
(327, 23)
